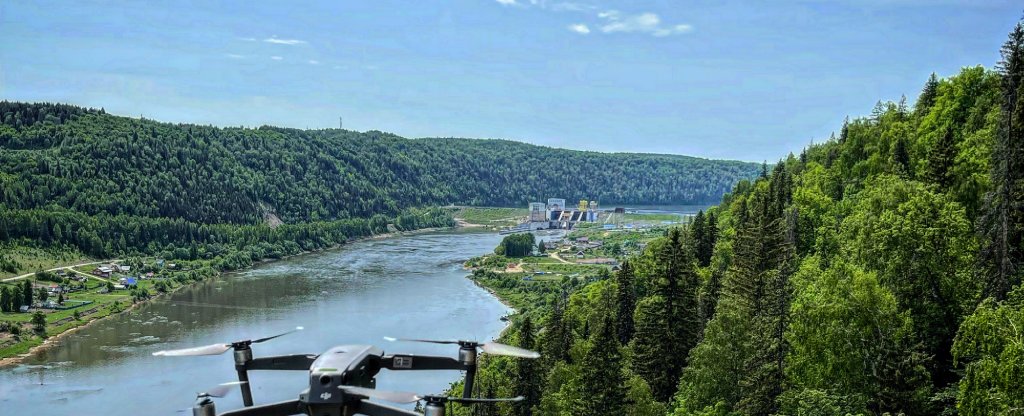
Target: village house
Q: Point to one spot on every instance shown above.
(103, 271)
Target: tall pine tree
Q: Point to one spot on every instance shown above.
(625, 303)
(941, 156)
(928, 94)
(527, 382)
(1002, 220)
(671, 321)
(601, 390)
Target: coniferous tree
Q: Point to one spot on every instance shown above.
(26, 292)
(625, 303)
(927, 98)
(17, 299)
(527, 382)
(741, 358)
(5, 299)
(650, 346)
(697, 230)
(601, 388)
(901, 157)
(556, 340)
(1003, 210)
(711, 235)
(940, 161)
(669, 323)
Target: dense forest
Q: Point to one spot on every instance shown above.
(87, 161)
(110, 185)
(878, 272)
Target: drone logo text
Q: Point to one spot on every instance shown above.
(325, 395)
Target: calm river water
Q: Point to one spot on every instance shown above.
(411, 286)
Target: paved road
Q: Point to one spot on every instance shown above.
(10, 279)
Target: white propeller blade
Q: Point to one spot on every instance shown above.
(213, 349)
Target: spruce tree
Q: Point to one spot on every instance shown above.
(741, 357)
(667, 324)
(17, 299)
(697, 230)
(651, 349)
(1002, 220)
(625, 303)
(600, 389)
(941, 156)
(901, 157)
(711, 236)
(26, 292)
(556, 335)
(527, 380)
(5, 299)
(927, 98)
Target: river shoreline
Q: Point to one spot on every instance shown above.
(56, 339)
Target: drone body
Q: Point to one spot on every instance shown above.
(342, 378)
(344, 365)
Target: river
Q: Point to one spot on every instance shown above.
(409, 286)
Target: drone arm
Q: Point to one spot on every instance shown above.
(374, 409)
(291, 407)
(420, 362)
(282, 362)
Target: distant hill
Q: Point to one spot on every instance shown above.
(87, 161)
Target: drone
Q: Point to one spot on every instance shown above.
(343, 378)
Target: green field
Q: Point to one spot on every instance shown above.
(32, 259)
(638, 217)
(493, 216)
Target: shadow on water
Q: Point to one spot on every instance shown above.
(407, 286)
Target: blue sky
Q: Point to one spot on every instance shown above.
(721, 79)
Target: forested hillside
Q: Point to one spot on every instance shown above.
(876, 273)
(90, 162)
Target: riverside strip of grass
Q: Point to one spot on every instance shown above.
(490, 216)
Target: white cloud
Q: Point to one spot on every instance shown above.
(276, 58)
(248, 39)
(580, 28)
(674, 30)
(616, 22)
(314, 62)
(507, 2)
(568, 6)
(234, 56)
(275, 39)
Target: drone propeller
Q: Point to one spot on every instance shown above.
(204, 398)
(220, 391)
(492, 348)
(216, 349)
(407, 397)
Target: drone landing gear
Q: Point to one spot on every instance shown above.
(243, 356)
(467, 356)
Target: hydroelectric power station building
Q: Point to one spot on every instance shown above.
(556, 215)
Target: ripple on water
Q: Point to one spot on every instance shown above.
(118, 349)
(144, 340)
